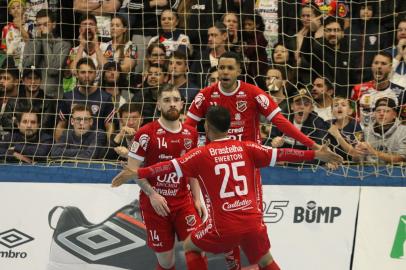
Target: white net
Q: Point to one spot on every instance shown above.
(330, 66)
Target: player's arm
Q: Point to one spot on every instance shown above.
(290, 130)
(195, 189)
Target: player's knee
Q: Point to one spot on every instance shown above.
(166, 259)
(187, 245)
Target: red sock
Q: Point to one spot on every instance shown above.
(272, 266)
(195, 261)
(233, 260)
(159, 267)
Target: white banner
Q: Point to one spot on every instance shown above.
(25, 235)
(311, 227)
(381, 231)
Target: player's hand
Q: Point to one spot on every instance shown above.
(277, 142)
(125, 175)
(326, 155)
(122, 151)
(201, 210)
(159, 204)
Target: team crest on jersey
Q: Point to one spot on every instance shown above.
(199, 98)
(95, 108)
(241, 105)
(160, 131)
(190, 220)
(187, 143)
(144, 140)
(263, 101)
(185, 132)
(215, 95)
(134, 147)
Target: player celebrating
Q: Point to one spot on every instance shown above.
(226, 172)
(167, 195)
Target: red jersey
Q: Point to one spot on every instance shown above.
(154, 143)
(226, 173)
(245, 105)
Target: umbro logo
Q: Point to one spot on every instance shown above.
(14, 238)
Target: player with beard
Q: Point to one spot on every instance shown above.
(168, 207)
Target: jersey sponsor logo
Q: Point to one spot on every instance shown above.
(263, 101)
(165, 157)
(200, 7)
(190, 220)
(192, 155)
(186, 132)
(95, 108)
(134, 147)
(201, 233)
(241, 94)
(237, 117)
(144, 140)
(187, 143)
(241, 105)
(199, 100)
(215, 95)
(160, 131)
(237, 205)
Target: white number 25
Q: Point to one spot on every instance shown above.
(235, 177)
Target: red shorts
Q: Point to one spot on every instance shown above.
(255, 244)
(161, 230)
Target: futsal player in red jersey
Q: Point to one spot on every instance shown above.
(225, 169)
(167, 207)
(246, 103)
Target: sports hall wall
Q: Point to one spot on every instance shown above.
(316, 219)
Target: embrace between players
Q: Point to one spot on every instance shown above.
(226, 171)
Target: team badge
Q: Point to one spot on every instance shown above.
(241, 105)
(190, 220)
(199, 98)
(134, 147)
(187, 143)
(95, 108)
(144, 140)
(263, 101)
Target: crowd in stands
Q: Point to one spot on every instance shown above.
(78, 78)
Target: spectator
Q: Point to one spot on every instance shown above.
(156, 55)
(114, 82)
(178, 76)
(254, 47)
(15, 33)
(385, 141)
(346, 131)
(82, 142)
(144, 20)
(87, 92)
(120, 48)
(306, 120)
(48, 53)
(330, 56)
(366, 94)
(89, 45)
(275, 82)
(27, 143)
(173, 39)
(232, 22)
(9, 85)
(102, 9)
(130, 116)
(212, 76)
(399, 55)
(367, 38)
(146, 93)
(284, 58)
(216, 46)
(31, 95)
(322, 93)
